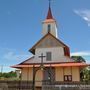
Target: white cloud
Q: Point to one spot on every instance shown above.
(81, 53)
(8, 69)
(9, 57)
(13, 56)
(85, 14)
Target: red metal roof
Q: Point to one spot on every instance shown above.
(49, 15)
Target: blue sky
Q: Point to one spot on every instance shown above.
(21, 27)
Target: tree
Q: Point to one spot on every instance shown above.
(78, 58)
(86, 74)
(8, 75)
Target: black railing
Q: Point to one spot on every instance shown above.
(15, 85)
(46, 85)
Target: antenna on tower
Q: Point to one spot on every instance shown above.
(49, 15)
(49, 2)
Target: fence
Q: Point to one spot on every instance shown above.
(66, 85)
(15, 85)
(46, 85)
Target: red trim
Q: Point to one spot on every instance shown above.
(54, 65)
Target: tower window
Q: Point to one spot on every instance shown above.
(49, 28)
(48, 56)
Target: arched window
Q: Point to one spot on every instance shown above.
(49, 28)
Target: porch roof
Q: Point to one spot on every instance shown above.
(72, 64)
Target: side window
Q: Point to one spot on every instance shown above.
(67, 77)
(48, 56)
(49, 28)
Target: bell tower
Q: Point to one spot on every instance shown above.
(49, 24)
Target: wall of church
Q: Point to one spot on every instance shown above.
(61, 71)
(75, 74)
(24, 74)
(53, 29)
(27, 74)
(59, 74)
(57, 53)
(39, 78)
(67, 70)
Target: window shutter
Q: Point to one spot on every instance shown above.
(48, 56)
(66, 51)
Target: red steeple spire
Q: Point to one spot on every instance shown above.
(49, 15)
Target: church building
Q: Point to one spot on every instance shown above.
(51, 58)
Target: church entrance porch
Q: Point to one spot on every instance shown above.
(49, 74)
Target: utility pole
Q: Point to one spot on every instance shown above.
(1, 69)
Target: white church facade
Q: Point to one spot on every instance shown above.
(56, 57)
